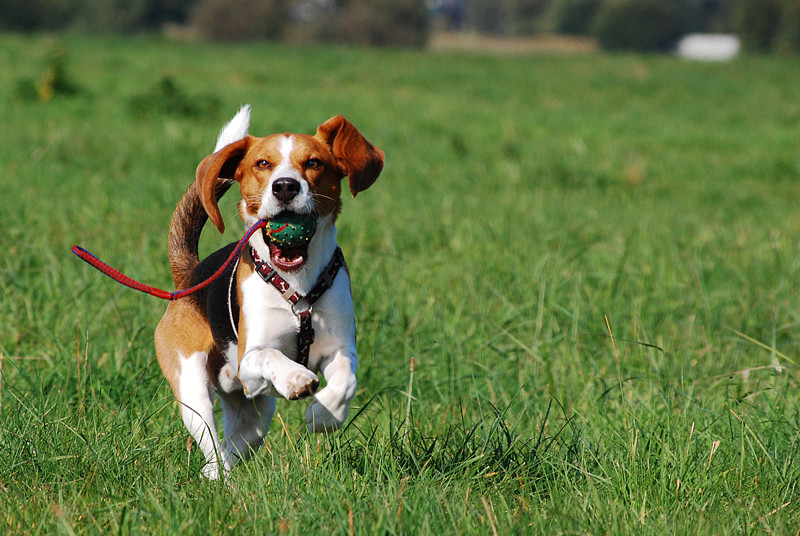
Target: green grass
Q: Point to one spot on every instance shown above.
(593, 260)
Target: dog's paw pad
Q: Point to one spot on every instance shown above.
(307, 390)
(300, 384)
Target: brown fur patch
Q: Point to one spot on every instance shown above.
(361, 161)
(184, 232)
(182, 331)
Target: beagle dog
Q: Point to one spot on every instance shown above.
(279, 315)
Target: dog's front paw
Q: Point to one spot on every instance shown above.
(296, 383)
(324, 415)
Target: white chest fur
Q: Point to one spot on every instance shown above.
(268, 321)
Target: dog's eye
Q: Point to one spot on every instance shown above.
(263, 164)
(313, 163)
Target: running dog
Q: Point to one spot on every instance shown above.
(283, 312)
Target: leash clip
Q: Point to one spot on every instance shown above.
(309, 309)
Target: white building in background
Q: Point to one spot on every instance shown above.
(709, 47)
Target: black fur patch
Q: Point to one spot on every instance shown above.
(214, 298)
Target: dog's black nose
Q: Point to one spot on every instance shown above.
(285, 189)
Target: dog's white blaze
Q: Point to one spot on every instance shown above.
(303, 202)
(287, 146)
(284, 167)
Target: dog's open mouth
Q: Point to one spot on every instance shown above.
(287, 259)
(288, 235)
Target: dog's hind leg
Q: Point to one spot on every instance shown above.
(196, 397)
(183, 342)
(246, 422)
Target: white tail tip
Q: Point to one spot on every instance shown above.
(236, 129)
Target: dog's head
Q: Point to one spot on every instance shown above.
(293, 173)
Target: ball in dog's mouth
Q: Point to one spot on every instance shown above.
(288, 235)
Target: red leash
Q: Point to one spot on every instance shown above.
(163, 294)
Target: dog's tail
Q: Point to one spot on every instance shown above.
(190, 216)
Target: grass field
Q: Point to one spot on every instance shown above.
(592, 259)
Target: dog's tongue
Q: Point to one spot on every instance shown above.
(287, 259)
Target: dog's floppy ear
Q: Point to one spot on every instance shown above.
(221, 165)
(359, 159)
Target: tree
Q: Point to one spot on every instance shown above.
(574, 17)
(240, 20)
(757, 23)
(383, 23)
(641, 25)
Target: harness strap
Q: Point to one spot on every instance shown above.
(230, 299)
(305, 333)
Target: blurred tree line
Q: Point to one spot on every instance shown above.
(368, 22)
(648, 25)
(644, 25)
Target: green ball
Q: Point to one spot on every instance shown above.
(289, 229)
